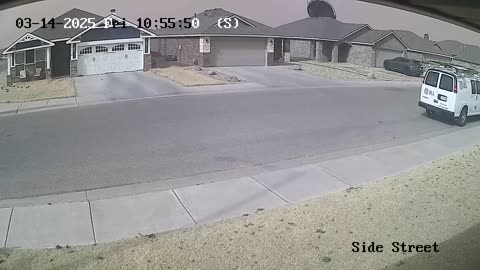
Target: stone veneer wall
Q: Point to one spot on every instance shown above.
(147, 62)
(361, 55)
(73, 68)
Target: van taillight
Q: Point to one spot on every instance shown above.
(455, 87)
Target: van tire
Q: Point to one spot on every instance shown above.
(429, 112)
(462, 118)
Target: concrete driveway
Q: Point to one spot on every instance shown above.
(122, 86)
(276, 76)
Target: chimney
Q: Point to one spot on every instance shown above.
(112, 11)
(426, 36)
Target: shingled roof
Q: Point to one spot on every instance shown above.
(465, 52)
(59, 32)
(322, 28)
(208, 26)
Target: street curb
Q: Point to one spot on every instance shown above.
(213, 92)
(45, 108)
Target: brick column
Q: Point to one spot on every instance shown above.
(73, 68)
(312, 50)
(286, 50)
(48, 74)
(320, 56)
(270, 59)
(9, 80)
(335, 54)
(147, 62)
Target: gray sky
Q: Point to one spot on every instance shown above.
(269, 12)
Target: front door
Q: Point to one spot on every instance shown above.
(60, 59)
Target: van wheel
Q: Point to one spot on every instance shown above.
(429, 112)
(462, 119)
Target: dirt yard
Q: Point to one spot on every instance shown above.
(36, 90)
(349, 72)
(185, 76)
(436, 203)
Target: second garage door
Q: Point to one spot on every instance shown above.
(382, 55)
(233, 51)
(101, 59)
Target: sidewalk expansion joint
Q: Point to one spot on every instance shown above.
(91, 221)
(184, 207)
(333, 175)
(265, 186)
(8, 228)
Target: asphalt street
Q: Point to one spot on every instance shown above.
(136, 141)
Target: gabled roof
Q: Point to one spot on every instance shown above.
(322, 28)
(28, 38)
(208, 21)
(417, 43)
(466, 52)
(102, 22)
(373, 36)
(59, 32)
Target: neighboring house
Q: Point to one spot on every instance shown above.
(464, 54)
(249, 44)
(56, 52)
(376, 46)
(321, 38)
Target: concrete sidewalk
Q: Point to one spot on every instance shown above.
(86, 220)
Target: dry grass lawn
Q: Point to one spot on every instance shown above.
(438, 202)
(185, 76)
(37, 90)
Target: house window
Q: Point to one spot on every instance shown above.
(29, 57)
(19, 58)
(100, 49)
(147, 46)
(118, 48)
(40, 55)
(133, 47)
(86, 50)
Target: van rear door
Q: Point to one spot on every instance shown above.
(429, 88)
(446, 92)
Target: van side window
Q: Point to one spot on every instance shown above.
(478, 87)
(446, 83)
(474, 87)
(432, 79)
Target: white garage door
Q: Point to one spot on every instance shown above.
(237, 51)
(101, 59)
(382, 55)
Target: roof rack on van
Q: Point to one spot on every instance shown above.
(459, 70)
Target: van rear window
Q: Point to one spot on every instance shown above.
(432, 79)
(446, 83)
(474, 87)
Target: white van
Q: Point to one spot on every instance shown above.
(452, 92)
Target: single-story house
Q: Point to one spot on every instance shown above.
(464, 54)
(243, 42)
(320, 38)
(376, 46)
(60, 51)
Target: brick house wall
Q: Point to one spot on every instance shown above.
(391, 43)
(361, 55)
(301, 49)
(426, 57)
(466, 64)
